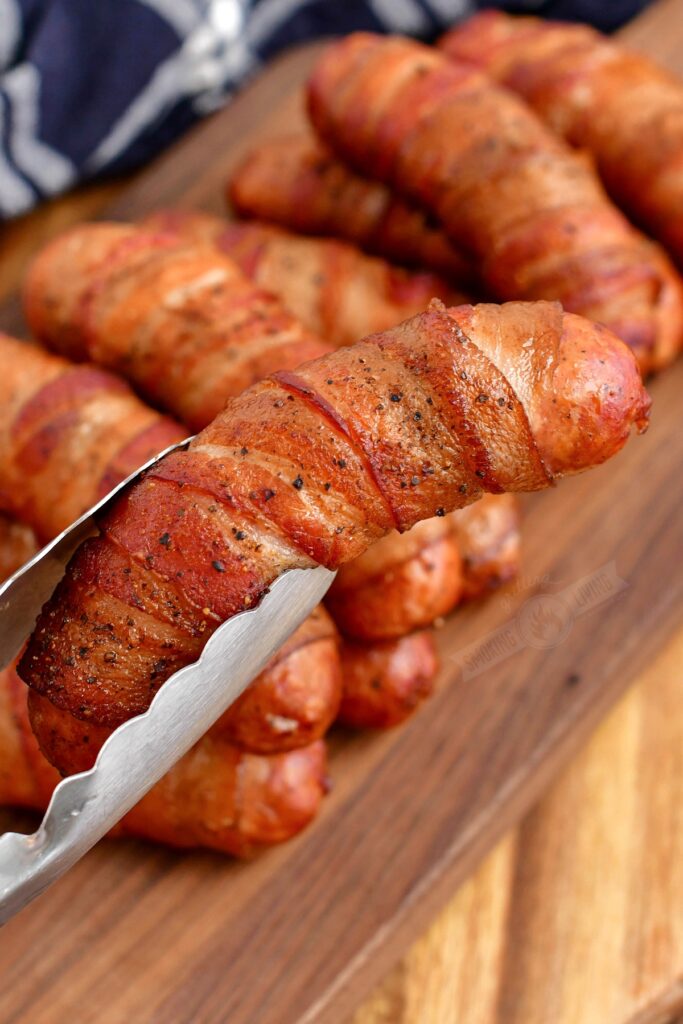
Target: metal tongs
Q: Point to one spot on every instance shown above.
(84, 807)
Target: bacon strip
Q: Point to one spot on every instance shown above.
(530, 211)
(333, 288)
(603, 98)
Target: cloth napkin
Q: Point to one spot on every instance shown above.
(89, 87)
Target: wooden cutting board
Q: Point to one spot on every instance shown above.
(138, 933)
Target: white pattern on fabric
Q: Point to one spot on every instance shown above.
(15, 195)
(10, 31)
(181, 15)
(401, 16)
(195, 69)
(450, 10)
(49, 170)
(269, 16)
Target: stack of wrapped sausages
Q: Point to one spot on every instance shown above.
(393, 459)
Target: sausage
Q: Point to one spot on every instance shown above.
(402, 583)
(384, 684)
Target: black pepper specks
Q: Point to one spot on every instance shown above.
(218, 566)
(482, 398)
(297, 483)
(417, 416)
(414, 481)
(268, 494)
(440, 512)
(396, 396)
(240, 535)
(165, 540)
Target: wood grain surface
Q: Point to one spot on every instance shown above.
(138, 933)
(577, 915)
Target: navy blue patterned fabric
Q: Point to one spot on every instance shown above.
(99, 86)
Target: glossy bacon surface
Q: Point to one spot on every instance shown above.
(216, 796)
(333, 288)
(315, 465)
(532, 213)
(297, 182)
(615, 103)
(181, 322)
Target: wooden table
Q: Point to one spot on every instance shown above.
(577, 915)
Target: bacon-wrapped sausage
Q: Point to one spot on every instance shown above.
(602, 97)
(216, 796)
(313, 466)
(68, 434)
(532, 212)
(181, 322)
(296, 182)
(61, 320)
(332, 287)
(140, 270)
